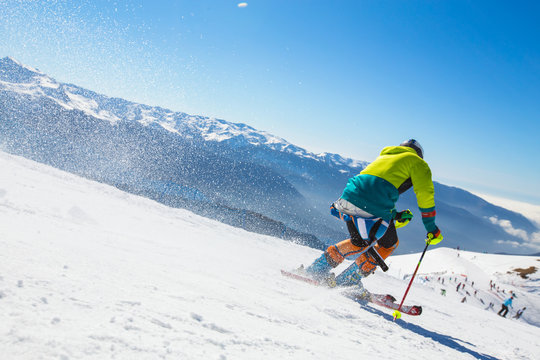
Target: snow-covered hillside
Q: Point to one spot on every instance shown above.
(87, 271)
(485, 278)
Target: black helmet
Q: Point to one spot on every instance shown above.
(414, 145)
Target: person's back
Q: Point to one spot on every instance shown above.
(376, 189)
(508, 302)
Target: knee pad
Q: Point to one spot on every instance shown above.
(366, 264)
(333, 256)
(337, 253)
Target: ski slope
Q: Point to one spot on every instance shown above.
(90, 272)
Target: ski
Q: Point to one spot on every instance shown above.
(384, 300)
(301, 278)
(388, 301)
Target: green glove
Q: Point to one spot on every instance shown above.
(402, 218)
(434, 237)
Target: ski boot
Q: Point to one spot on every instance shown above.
(357, 293)
(320, 271)
(352, 277)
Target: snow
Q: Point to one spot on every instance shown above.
(29, 68)
(25, 89)
(90, 272)
(88, 106)
(47, 82)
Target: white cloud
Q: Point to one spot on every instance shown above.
(531, 240)
(511, 243)
(507, 226)
(515, 244)
(530, 211)
(535, 238)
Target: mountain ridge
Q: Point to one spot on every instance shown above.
(114, 109)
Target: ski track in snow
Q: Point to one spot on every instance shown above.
(90, 272)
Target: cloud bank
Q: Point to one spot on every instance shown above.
(530, 211)
(531, 241)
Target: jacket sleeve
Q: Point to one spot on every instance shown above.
(425, 194)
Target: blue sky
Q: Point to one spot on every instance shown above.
(349, 77)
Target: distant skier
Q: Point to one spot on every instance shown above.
(369, 199)
(519, 313)
(504, 308)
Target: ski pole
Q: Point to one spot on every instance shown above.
(396, 313)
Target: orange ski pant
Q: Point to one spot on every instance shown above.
(346, 248)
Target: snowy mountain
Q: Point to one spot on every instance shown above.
(23, 79)
(90, 272)
(215, 167)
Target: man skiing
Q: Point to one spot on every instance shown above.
(504, 308)
(368, 201)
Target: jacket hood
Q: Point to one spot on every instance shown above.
(392, 150)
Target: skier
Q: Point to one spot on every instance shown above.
(505, 305)
(519, 313)
(369, 199)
